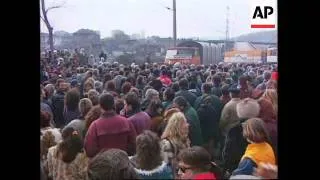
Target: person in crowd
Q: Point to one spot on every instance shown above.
(149, 95)
(258, 150)
(189, 96)
(191, 115)
(85, 106)
(140, 119)
(209, 107)
(216, 87)
(67, 160)
(229, 117)
(272, 96)
(148, 161)
(58, 104)
(245, 91)
(111, 88)
(166, 116)
(110, 130)
(44, 106)
(112, 164)
(168, 97)
(49, 92)
(235, 143)
(125, 88)
(98, 86)
(225, 98)
(93, 114)
(268, 116)
(140, 83)
(266, 77)
(155, 110)
(165, 79)
(93, 95)
(174, 139)
(119, 105)
(194, 89)
(88, 85)
(195, 163)
(175, 87)
(71, 110)
(49, 136)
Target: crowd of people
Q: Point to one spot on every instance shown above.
(109, 121)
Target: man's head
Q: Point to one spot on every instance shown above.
(193, 160)
(106, 102)
(266, 75)
(234, 92)
(180, 103)
(112, 164)
(131, 102)
(206, 88)
(183, 84)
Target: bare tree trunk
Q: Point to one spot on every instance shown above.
(50, 29)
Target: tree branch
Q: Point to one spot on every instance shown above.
(53, 7)
(42, 19)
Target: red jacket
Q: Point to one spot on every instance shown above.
(110, 131)
(207, 175)
(166, 81)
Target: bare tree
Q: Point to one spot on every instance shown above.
(44, 17)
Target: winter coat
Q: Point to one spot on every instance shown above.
(195, 133)
(234, 148)
(189, 96)
(229, 116)
(110, 131)
(163, 171)
(141, 121)
(209, 108)
(58, 109)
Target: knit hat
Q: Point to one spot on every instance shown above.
(248, 108)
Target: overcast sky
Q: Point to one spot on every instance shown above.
(195, 18)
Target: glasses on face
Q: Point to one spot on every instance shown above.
(183, 169)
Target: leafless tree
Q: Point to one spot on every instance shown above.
(44, 17)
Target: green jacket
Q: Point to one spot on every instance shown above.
(195, 128)
(166, 104)
(217, 104)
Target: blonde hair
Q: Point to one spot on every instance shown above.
(173, 128)
(272, 96)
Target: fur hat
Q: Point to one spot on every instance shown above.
(248, 108)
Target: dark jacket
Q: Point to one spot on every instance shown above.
(70, 115)
(110, 131)
(189, 96)
(195, 133)
(246, 167)
(58, 109)
(234, 148)
(209, 110)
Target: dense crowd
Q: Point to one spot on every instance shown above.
(108, 121)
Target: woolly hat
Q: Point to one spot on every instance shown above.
(248, 108)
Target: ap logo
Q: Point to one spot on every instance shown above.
(263, 13)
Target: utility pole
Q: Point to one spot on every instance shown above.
(227, 30)
(174, 23)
